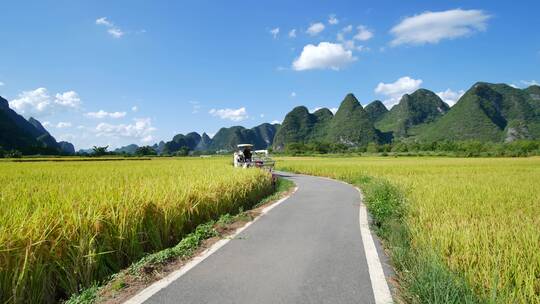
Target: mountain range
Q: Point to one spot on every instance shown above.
(28, 136)
(486, 112)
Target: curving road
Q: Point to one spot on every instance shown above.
(307, 249)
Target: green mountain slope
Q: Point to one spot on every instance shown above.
(422, 106)
(352, 125)
(42, 135)
(27, 136)
(301, 126)
(261, 137)
(376, 110)
(489, 112)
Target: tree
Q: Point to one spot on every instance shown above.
(99, 151)
(145, 150)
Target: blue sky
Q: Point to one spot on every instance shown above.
(120, 72)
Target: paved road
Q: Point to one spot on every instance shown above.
(306, 250)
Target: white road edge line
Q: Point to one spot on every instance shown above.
(381, 291)
(149, 291)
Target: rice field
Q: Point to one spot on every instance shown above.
(480, 217)
(64, 225)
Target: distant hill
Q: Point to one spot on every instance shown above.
(422, 106)
(28, 136)
(129, 149)
(66, 147)
(376, 110)
(489, 112)
(352, 125)
(301, 126)
(486, 112)
(261, 137)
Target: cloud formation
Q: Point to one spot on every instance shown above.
(363, 33)
(395, 90)
(325, 55)
(104, 114)
(112, 29)
(333, 20)
(141, 129)
(274, 32)
(315, 28)
(432, 27)
(230, 114)
(292, 33)
(529, 83)
(62, 125)
(450, 97)
(39, 103)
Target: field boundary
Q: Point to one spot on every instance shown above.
(155, 287)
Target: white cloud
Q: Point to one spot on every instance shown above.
(230, 114)
(195, 106)
(141, 129)
(333, 20)
(62, 125)
(326, 55)
(395, 90)
(351, 45)
(432, 27)
(292, 33)
(46, 123)
(315, 28)
(262, 115)
(293, 94)
(68, 99)
(450, 97)
(39, 103)
(529, 83)
(115, 32)
(134, 109)
(104, 114)
(274, 32)
(333, 110)
(275, 121)
(2, 84)
(112, 29)
(104, 21)
(363, 33)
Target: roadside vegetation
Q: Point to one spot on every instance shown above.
(65, 226)
(457, 230)
(470, 148)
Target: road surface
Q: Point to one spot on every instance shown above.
(308, 249)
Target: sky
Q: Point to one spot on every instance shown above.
(121, 72)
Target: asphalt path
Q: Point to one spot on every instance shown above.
(308, 249)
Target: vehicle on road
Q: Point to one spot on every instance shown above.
(245, 157)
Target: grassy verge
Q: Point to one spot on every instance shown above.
(153, 266)
(422, 277)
